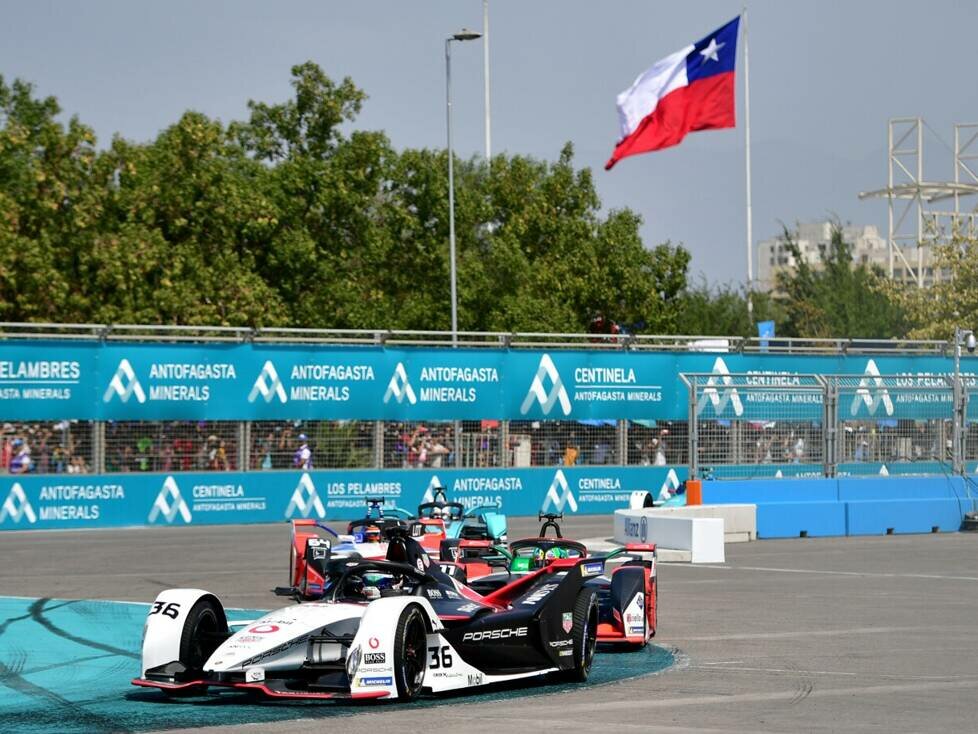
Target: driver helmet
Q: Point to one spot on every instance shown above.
(556, 552)
(539, 558)
(371, 534)
(375, 583)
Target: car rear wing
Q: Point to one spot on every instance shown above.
(642, 552)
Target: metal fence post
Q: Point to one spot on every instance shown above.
(378, 458)
(457, 430)
(98, 447)
(830, 446)
(244, 445)
(693, 432)
(504, 444)
(960, 415)
(622, 436)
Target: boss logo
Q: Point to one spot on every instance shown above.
(494, 634)
(539, 594)
(374, 658)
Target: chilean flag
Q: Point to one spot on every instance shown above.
(689, 90)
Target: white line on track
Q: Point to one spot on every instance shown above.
(821, 572)
(813, 633)
(794, 671)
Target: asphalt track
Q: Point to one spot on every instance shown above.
(846, 634)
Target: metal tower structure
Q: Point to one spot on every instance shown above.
(917, 217)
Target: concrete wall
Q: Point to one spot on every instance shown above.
(789, 508)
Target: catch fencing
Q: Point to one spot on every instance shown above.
(745, 425)
(98, 399)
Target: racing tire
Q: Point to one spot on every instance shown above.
(652, 606)
(410, 652)
(204, 630)
(584, 634)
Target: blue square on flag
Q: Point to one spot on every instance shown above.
(714, 54)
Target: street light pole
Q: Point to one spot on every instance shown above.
(485, 77)
(463, 35)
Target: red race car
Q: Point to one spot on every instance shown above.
(627, 593)
(366, 538)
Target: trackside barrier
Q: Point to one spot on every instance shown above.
(38, 502)
(789, 508)
(701, 537)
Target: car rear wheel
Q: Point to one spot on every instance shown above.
(584, 634)
(410, 652)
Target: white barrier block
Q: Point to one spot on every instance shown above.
(701, 536)
(739, 521)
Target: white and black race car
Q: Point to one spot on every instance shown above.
(384, 629)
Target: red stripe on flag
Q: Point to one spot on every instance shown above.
(706, 104)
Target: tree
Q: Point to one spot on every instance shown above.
(722, 311)
(934, 312)
(288, 218)
(834, 299)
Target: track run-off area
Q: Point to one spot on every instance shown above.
(842, 634)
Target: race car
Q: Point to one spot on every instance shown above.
(434, 522)
(365, 538)
(479, 523)
(627, 595)
(390, 629)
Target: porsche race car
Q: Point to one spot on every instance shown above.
(392, 629)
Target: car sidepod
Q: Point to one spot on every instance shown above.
(532, 636)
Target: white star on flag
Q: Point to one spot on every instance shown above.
(710, 52)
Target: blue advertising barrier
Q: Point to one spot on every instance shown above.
(54, 380)
(815, 471)
(120, 500)
(850, 506)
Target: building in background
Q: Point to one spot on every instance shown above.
(813, 240)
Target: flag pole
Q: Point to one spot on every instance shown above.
(750, 223)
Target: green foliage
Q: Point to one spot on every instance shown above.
(934, 312)
(286, 218)
(722, 311)
(293, 218)
(835, 299)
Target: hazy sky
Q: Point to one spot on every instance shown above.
(825, 77)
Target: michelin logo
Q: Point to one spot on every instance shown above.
(872, 402)
(721, 399)
(17, 506)
(537, 393)
(559, 495)
(268, 385)
(124, 384)
(399, 387)
(305, 499)
(169, 503)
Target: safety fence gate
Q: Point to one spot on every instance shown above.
(745, 425)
